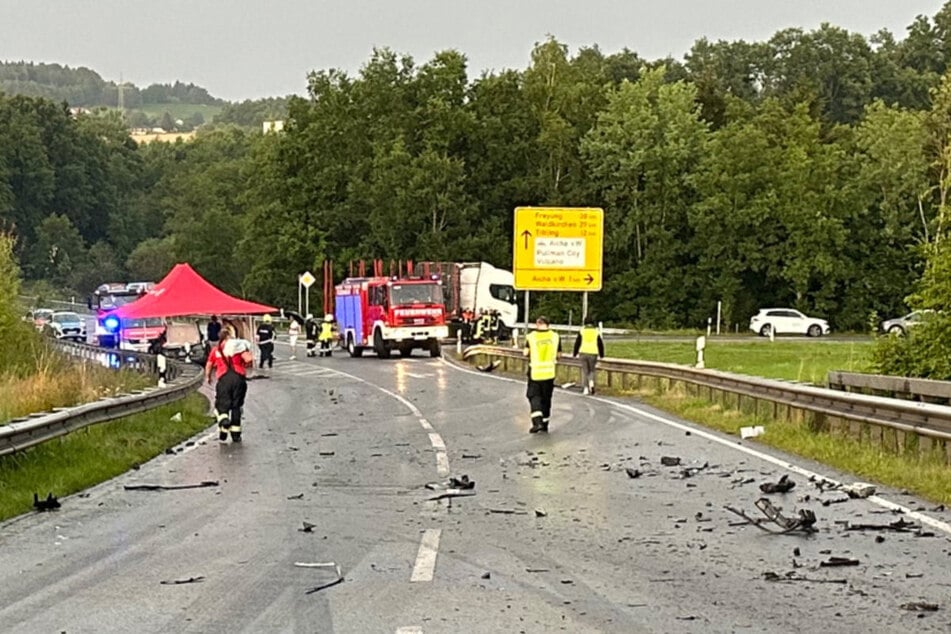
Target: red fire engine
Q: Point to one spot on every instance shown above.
(390, 313)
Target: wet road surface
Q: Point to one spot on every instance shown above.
(557, 536)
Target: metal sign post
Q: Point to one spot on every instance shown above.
(584, 308)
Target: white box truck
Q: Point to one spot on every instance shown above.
(477, 286)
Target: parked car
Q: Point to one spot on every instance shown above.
(66, 325)
(39, 317)
(787, 321)
(900, 325)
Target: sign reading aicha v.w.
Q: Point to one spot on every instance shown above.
(558, 248)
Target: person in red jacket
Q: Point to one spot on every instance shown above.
(229, 361)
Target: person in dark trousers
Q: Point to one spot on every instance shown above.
(265, 336)
(229, 361)
(590, 346)
(213, 330)
(310, 334)
(326, 336)
(541, 347)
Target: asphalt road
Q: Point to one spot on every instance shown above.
(348, 445)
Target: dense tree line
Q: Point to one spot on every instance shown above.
(86, 88)
(808, 170)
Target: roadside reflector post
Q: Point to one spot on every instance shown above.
(701, 344)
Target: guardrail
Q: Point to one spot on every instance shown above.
(894, 424)
(181, 379)
(927, 390)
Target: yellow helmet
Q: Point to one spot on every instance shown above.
(267, 319)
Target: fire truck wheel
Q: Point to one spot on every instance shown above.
(434, 349)
(352, 348)
(379, 345)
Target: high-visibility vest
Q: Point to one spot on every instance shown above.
(589, 340)
(326, 331)
(543, 349)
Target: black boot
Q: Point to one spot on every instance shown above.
(536, 425)
(544, 426)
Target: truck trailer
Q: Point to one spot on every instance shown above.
(390, 314)
(476, 286)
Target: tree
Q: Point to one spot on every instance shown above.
(59, 247)
(152, 259)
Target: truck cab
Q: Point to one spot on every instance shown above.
(105, 300)
(391, 314)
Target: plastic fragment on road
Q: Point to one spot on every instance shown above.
(462, 482)
(752, 432)
(898, 526)
(307, 528)
(489, 367)
(859, 490)
(670, 461)
(179, 582)
(804, 522)
(633, 473)
(833, 562)
(920, 606)
(51, 503)
(170, 487)
(330, 564)
(793, 576)
(784, 485)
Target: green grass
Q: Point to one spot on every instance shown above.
(805, 361)
(95, 454)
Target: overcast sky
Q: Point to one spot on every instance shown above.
(240, 49)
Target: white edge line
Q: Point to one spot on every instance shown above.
(734, 444)
(442, 463)
(425, 566)
(437, 443)
(409, 629)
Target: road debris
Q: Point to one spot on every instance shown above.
(307, 527)
(453, 493)
(489, 367)
(170, 487)
(898, 526)
(508, 512)
(633, 473)
(835, 562)
(805, 522)
(323, 586)
(325, 453)
(540, 513)
(690, 472)
(752, 432)
(323, 564)
(792, 575)
(670, 461)
(785, 485)
(471, 456)
(920, 606)
(486, 575)
(533, 570)
(859, 490)
(462, 482)
(299, 496)
(51, 503)
(178, 582)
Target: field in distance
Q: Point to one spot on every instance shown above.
(806, 361)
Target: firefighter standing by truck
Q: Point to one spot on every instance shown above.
(265, 336)
(310, 334)
(326, 336)
(541, 347)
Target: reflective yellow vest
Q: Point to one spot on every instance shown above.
(326, 331)
(543, 350)
(589, 340)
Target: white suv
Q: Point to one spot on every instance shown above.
(783, 321)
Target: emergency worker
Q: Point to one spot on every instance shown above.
(494, 325)
(541, 347)
(326, 335)
(293, 332)
(310, 334)
(213, 330)
(467, 317)
(590, 346)
(265, 337)
(228, 364)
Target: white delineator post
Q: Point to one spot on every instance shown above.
(701, 344)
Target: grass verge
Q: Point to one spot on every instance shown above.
(95, 454)
(807, 361)
(925, 475)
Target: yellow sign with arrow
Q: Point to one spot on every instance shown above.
(558, 248)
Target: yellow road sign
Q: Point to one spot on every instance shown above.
(558, 248)
(307, 279)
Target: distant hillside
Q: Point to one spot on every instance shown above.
(86, 88)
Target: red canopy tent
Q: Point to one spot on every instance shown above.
(185, 292)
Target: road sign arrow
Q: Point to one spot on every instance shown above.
(589, 279)
(526, 234)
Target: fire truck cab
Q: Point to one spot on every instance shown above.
(388, 314)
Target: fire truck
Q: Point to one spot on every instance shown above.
(397, 313)
(132, 334)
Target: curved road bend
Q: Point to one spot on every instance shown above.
(348, 445)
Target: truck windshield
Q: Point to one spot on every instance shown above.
(110, 300)
(403, 294)
(148, 322)
(503, 292)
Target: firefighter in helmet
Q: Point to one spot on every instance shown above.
(310, 334)
(326, 335)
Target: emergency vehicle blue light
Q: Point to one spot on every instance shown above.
(111, 323)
